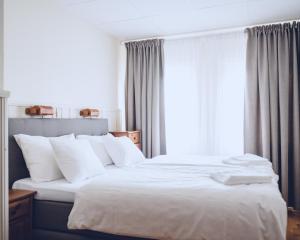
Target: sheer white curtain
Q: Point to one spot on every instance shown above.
(204, 94)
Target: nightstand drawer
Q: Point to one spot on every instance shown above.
(20, 214)
(19, 208)
(134, 136)
(20, 229)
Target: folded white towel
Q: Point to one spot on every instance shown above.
(247, 159)
(242, 178)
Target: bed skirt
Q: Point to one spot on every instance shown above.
(50, 220)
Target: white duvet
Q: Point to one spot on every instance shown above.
(175, 198)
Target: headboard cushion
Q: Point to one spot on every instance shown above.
(48, 128)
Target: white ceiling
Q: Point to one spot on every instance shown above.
(134, 19)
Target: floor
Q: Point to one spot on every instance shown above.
(293, 231)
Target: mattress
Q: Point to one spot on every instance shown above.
(58, 190)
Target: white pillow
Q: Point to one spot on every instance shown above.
(76, 159)
(97, 143)
(39, 156)
(123, 151)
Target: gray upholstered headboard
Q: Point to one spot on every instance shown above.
(48, 128)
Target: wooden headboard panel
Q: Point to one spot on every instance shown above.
(48, 128)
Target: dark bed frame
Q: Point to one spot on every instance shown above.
(50, 217)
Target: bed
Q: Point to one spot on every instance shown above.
(182, 188)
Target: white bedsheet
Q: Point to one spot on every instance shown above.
(58, 190)
(174, 198)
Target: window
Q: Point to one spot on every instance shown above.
(204, 94)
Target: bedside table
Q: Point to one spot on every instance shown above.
(20, 214)
(135, 136)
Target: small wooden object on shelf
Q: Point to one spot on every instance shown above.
(20, 214)
(89, 112)
(135, 136)
(39, 110)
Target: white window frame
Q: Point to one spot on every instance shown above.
(3, 167)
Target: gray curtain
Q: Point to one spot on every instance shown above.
(272, 102)
(145, 94)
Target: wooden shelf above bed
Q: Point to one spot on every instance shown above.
(89, 112)
(39, 110)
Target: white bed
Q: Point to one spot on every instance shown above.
(171, 198)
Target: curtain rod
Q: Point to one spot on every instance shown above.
(206, 32)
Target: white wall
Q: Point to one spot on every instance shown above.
(121, 86)
(52, 57)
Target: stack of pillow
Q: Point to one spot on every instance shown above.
(76, 159)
